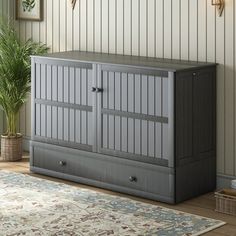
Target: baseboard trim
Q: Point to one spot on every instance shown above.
(224, 181)
(26, 143)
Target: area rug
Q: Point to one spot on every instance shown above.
(33, 206)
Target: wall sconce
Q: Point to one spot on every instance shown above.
(220, 4)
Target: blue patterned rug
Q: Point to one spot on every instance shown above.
(33, 206)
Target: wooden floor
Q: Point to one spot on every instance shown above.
(203, 205)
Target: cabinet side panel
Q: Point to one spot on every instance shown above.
(204, 115)
(195, 128)
(184, 117)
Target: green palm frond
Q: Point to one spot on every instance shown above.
(15, 72)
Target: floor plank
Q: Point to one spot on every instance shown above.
(203, 205)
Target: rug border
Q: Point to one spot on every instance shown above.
(210, 229)
(220, 224)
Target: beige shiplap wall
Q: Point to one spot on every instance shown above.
(4, 11)
(179, 29)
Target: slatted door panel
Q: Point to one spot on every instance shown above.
(64, 105)
(136, 115)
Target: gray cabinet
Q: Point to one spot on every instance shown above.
(137, 125)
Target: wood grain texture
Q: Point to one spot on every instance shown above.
(179, 29)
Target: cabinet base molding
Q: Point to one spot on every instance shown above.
(103, 185)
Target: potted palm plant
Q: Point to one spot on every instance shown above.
(15, 77)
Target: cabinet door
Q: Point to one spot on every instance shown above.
(195, 115)
(63, 103)
(135, 114)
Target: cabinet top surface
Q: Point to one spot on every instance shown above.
(136, 61)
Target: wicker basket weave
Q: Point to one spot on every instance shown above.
(11, 148)
(226, 201)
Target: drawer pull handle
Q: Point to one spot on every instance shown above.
(62, 163)
(133, 179)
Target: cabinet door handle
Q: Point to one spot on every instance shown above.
(99, 90)
(62, 163)
(133, 179)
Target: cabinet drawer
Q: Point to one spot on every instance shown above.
(47, 159)
(147, 179)
(131, 175)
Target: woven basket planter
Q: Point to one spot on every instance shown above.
(11, 148)
(226, 201)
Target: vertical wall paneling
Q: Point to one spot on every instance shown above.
(84, 24)
(167, 28)
(229, 89)
(143, 28)
(105, 26)
(135, 27)
(62, 32)
(120, 26)
(55, 26)
(176, 26)
(43, 27)
(202, 29)
(112, 26)
(151, 28)
(90, 25)
(69, 25)
(186, 29)
(211, 32)
(128, 26)
(76, 26)
(160, 28)
(193, 29)
(49, 24)
(220, 58)
(97, 25)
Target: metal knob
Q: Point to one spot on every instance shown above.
(62, 163)
(133, 179)
(99, 90)
(194, 73)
